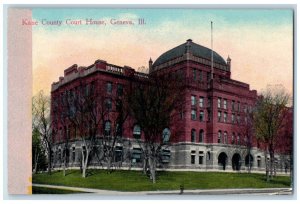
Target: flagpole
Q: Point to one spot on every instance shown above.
(212, 55)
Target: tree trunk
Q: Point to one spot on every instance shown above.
(36, 162)
(267, 168)
(249, 161)
(271, 163)
(145, 165)
(109, 162)
(64, 167)
(49, 161)
(83, 168)
(85, 163)
(152, 168)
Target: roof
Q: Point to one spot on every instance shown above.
(195, 49)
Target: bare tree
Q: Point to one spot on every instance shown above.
(269, 117)
(42, 123)
(118, 111)
(247, 130)
(85, 114)
(38, 153)
(154, 102)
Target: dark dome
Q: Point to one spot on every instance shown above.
(195, 49)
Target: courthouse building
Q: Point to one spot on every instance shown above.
(213, 132)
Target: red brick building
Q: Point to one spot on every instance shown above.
(213, 126)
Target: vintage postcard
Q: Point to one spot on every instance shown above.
(150, 101)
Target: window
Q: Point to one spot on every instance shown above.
(92, 89)
(233, 118)
(219, 116)
(193, 156)
(119, 130)
(87, 90)
(136, 155)
(238, 139)
(239, 106)
(109, 87)
(166, 135)
(245, 108)
(225, 117)
(193, 135)
(137, 132)
(194, 74)
(208, 76)
(119, 105)
(258, 161)
(201, 156)
(208, 156)
(238, 119)
(250, 109)
(225, 103)
(208, 102)
(225, 138)
(73, 154)
(193, 100)
(201, 136)
(233, 138)
(120, 90)
(246, 140)
(108, 104)
(59, 155)
(181, 114)
(208, 115)
(201, 102)
(107, 128)
(200, 75)
(232, 105)
(201, 116)
(118, 153)
(193, 115)
(219, 102)
(219, 136)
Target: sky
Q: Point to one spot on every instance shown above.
(258, 41)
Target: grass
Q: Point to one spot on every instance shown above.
(43, 190)
(136, 181)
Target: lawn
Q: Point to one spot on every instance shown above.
(136, 181)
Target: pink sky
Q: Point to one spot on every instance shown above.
(261, 54)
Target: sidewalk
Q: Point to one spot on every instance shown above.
(246, 191)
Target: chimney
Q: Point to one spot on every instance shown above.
(228, 63)
(188, 46)
(150, 65)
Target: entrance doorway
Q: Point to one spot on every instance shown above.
(249, 161)
(236, 162)
(222, 160)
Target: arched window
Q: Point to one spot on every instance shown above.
(233, 138)
(108, 104)
(219, 136)
(193, 135)
(201, 116)
(119, 130)
(137, 132)
(107, 128)
(166, 135)
(225, 138)
(201, 136)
